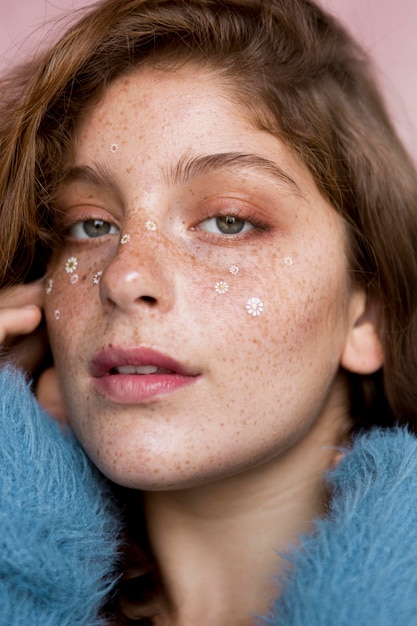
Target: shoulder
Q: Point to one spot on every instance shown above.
(360, 565)
(58, 523)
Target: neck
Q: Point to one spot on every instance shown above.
(217, 545)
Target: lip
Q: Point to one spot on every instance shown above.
(137, 388)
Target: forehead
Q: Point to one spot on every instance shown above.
(169, 115)
(166, 97)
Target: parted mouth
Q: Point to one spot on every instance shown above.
(137, 361)
(141, 370)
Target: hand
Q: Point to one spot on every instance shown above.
(25, 345)
(20, 314)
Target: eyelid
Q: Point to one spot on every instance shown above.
(82, 210)
(74, 216)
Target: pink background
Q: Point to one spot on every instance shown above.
(387, 29)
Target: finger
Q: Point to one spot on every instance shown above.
(22, 295)
(28, 351)
(49, 395)
(19, 321)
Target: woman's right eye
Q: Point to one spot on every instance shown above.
(91, 229)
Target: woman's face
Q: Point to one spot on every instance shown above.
(199, 306)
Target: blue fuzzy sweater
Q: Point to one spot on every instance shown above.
(360, 566)
(58, 526)
(59, 531)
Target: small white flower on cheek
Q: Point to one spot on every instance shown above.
(74, 279)
(221, 287)
(49, 286)
(234, 270)
(114, 147)
(288, 260)
(71, 265)
(57, 314)
(97, 277)
(150, 225)
(125, 239)
(255, 307)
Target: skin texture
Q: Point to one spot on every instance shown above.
(262, 381)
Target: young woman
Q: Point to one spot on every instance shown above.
(226, 227)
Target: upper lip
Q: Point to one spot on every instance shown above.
(109, 359)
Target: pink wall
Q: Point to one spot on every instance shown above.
(387, 28)
(388, 31)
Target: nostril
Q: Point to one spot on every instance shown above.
(148, 299)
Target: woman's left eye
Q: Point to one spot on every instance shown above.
(226, 225)
(91, 229)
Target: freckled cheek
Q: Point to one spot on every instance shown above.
(226, 288)
(70, 292)
(221, 300)
(311, 318)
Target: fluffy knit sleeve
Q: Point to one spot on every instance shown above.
(58, 523)
(360, 566)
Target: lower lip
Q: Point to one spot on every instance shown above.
(138, 388)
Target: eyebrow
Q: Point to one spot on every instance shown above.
(99, 176)
(189, 167)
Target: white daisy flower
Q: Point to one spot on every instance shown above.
(114, 147)
(97, 277)
(48, 286)
(150, 225)
(125, 239)
(221, 287)
(254, 306)
(74, 279)
(234, 269)
(57, 314)
(288, 260)
(71, 265)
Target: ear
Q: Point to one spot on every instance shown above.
(362, 353)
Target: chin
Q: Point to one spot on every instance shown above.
(157, 477)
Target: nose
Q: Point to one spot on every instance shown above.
(137, 278)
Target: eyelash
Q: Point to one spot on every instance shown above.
(65, 225)
(83, 223)
(256, 224)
